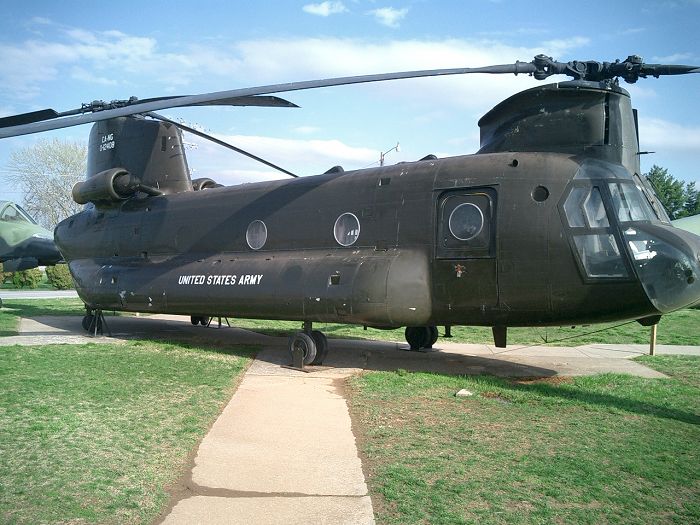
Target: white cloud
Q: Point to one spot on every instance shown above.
(118, 59)
(303, 157)
(389, 16)
(661, 135)
(325, 8)
(676, 58)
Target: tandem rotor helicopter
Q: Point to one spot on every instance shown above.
(549, 223)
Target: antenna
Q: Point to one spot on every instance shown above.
(382, 155)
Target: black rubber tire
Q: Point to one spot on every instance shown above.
(417, 337)
(204, 321)
(307, 345)
(434, 334)
(87, 321)
(194, 320)
(321, 342)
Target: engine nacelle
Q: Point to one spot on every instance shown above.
(204, 183)
(112, 185)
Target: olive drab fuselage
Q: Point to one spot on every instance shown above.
(548, 224)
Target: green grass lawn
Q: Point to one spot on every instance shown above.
(601, 449)
(96, 433)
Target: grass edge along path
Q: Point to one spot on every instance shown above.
(598, 449)
(96, 433)
(677, 328)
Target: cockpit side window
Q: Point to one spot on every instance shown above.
(595, 244)
(651, 197)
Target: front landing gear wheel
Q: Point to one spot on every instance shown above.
(421, 337)
(417, 336)
(321, 347)
(301, 342)
(195, 320)
(434, 334)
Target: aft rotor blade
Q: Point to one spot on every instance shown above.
(48, 114)
(208, 98)
(28, 118)
(258, 101)
(219, 142)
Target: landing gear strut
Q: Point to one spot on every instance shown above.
(308, 347)
(421, 337)
(94, 321)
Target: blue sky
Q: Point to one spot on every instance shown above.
(60, 54)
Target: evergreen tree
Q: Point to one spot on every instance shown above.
(679, 199)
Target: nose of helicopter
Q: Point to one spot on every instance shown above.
(667, 261)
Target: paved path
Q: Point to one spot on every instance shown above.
(37, 294)
(283, 450)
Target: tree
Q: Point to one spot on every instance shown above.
(679, 199)
(46, 172)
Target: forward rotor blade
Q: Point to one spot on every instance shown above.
(219, 142)
(208, 98)
(656, 70)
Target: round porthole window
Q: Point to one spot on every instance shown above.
(347, 229)
(466, 221)
(256, 235)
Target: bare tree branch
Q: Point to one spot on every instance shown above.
(46, 172)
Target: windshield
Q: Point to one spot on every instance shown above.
(630, 203)
(13, 213)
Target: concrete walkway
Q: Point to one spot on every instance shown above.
(283, 450)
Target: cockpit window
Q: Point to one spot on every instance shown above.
(600, 256)
(12, 214)
(653, 199)
(630, 203)
(596, 247)
(584, 208)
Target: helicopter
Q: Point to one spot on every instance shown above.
(23, 243)
(549, 223)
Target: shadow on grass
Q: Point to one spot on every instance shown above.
(239, 350)
(580, 395)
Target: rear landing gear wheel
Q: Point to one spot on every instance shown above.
(321, 347)
(92, 323)
(301, 342)
(198, 319)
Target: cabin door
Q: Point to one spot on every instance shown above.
(466, 276)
